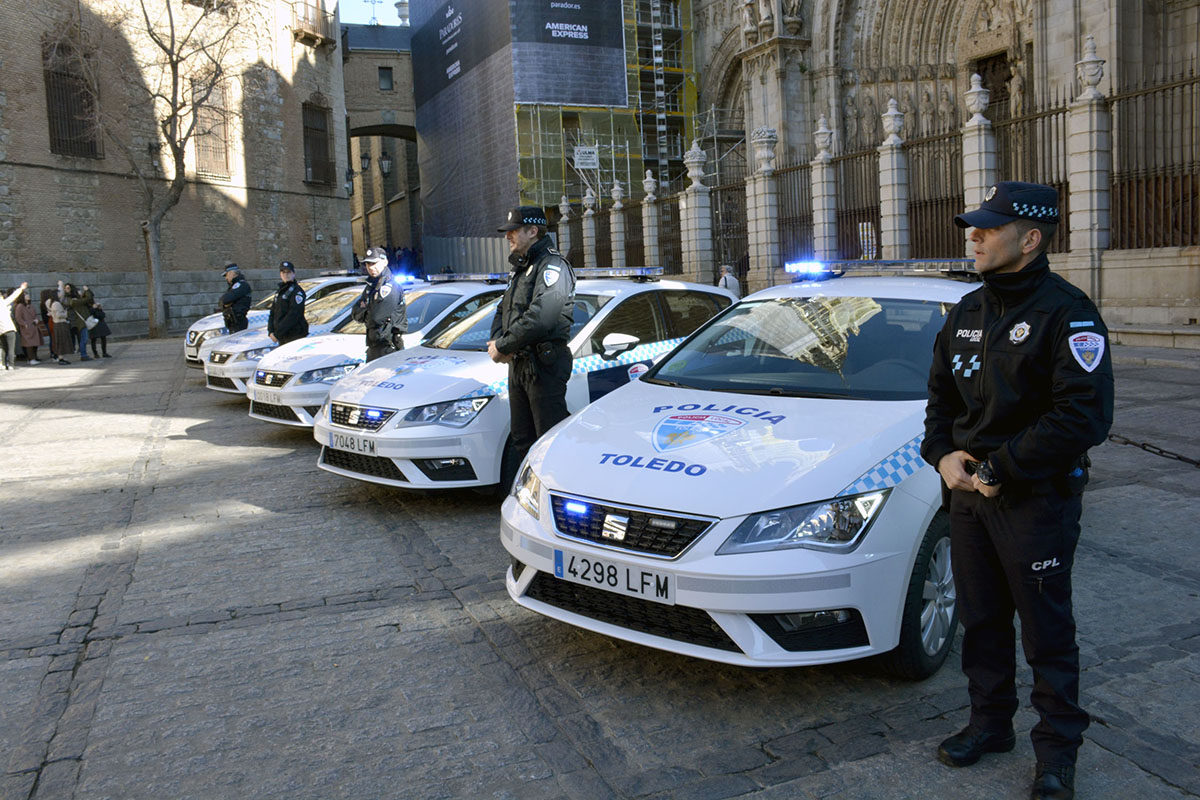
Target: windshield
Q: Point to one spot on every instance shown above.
(473, 332)
(859, 348)
(422, 306)
(319, 312)
(265, 303)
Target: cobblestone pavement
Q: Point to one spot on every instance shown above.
(189, 608)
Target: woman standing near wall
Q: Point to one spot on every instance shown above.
(26, 317)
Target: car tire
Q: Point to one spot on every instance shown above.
(930, 617)
(508, 470)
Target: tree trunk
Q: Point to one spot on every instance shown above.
(154, 294)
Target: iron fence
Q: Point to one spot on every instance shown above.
(670, 242)
(1156, 164)
(731, 236)
(935, 195)
(603, 239)
(1033, 147)
(635, 248)
(857, 213)
(794, 185)
(575, 232)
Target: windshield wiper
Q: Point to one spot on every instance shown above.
(776, 391)
(665, 382)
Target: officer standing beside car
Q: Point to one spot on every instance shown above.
(381, 307)
(1020, 387)
(235, 303)
(287, 322)
(532, 326)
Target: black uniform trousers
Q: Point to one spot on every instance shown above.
(537, 396)
(380, 349)
(236, 322)
(1015, 553)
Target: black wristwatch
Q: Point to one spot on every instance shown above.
(985, 474)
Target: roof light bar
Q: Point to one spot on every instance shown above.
(637, 273)
(486, 277)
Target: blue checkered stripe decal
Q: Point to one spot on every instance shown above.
(890, 471)
(1031, 209)
(587, 364)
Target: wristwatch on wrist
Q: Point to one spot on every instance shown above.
(985, 474)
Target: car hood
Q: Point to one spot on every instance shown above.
(217, 321)
(419, 376)
(315, 352)
(243, 340)
(725, 455)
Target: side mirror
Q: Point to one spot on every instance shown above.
(616, 343)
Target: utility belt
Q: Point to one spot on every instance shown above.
(1066, 484)
(544, 353)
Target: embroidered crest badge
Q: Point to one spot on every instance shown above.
(550, 276)
(991, 192)
(385, 290)
(1019, 333)
(1087, 348)
(684, 430)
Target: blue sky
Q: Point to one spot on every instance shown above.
(359, 12)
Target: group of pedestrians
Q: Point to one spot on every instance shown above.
(70, 316)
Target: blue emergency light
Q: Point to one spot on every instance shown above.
(374, 413)
(573, 507)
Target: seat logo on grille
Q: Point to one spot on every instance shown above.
(353, 418)
(614, 527)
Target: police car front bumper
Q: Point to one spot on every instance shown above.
(295, 406)
(419, 456)
(230, 377)
(773, 609)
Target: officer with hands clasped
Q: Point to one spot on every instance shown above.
(1020, 387)
(531, 328)
(235, 303)
(287, 322)
(381, 307)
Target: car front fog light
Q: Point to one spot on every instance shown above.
(836, 525)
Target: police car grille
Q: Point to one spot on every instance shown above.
(273, 411)
(646, 532)
(340, 414)
(221, 383)
(271, 378)
(375, 466)
(218, 358)
(679, 623)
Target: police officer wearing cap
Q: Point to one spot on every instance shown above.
(531, 328)
(381, 307)
(235, 303)
(287, 322)
(1020, 387)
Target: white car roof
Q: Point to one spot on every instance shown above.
(615, 287)
(900, 288)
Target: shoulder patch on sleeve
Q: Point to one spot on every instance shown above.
(550, 275)
(385, 290)
(299, 298)
(1087, 349)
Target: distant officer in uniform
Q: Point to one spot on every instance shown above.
(1020, 387)
(235, 303)
(381, 307)
(287, 322)
(532, 326)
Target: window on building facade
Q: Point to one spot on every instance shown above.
(212, 131)
(385, 79)
(318, 144)
(70, 102)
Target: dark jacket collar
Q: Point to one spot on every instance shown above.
(535, 251)
(1015, 285)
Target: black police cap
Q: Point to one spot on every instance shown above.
(287, 266)
(521, 216)
(1011, 200)
(375, 254)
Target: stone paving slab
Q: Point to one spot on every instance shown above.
(190, 608)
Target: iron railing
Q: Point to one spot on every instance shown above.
(1033, 147)
(794, 185)
(935, 195)
(635, 248)
(575, 231)
(857, 214)
(1156, 164)
(670, 240)
(731, 237)
(603, 239)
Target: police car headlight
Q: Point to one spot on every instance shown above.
(454, 412)
(327, 374)
(252, 355)
(833, 525)
(528, 489)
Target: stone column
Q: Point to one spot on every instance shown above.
(893, 188)
(695, 221)
(824, 195)
(1090, 166)
(564, 226)
(653, 255)
(762, 212)
(616, 225)
(978, 149)
(589, 228)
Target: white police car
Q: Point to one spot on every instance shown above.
(208, 328)
(437, 416)
(231, 362)
(757, 498)
(291, 382)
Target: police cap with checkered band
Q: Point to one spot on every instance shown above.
(521, 216)
(1007, 201)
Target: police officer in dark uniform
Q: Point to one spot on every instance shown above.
(381, 307)
(531, 328)
(1020, 387)
(287, 322)
(235, 303)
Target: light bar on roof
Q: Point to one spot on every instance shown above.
(619, 272)
(487, 277)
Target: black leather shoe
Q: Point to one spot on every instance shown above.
(967, 746)
(1053, 782)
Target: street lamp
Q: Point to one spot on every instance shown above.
(364, 161)
(385, 163)
(349, 182)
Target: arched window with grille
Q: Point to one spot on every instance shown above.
(318, 142)
(71, 102)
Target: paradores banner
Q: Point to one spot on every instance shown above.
(569, 52)
(457, 37)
